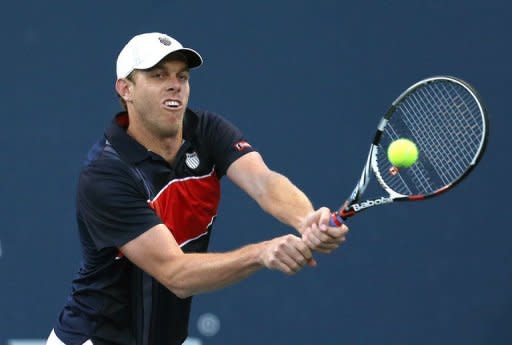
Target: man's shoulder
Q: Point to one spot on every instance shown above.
(103, 161)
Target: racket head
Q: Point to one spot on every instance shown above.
(446, 119)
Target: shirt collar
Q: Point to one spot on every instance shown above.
(130, 149)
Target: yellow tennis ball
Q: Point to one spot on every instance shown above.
(402, 153)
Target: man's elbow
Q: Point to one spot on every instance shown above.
(176, 284)
(180, 292)
(177, 289)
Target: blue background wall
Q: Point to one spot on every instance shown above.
(306, 81)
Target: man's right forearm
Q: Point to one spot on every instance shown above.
(193, 273)
(185, 274)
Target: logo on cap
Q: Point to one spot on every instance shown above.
(192, 160)
(165, 41)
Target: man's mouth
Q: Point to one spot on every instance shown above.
(172, 104)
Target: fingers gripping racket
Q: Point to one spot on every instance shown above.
(446, 119)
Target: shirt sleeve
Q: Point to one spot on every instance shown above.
(111, 205)
(227, 142)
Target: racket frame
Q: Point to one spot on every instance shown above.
(353, 204)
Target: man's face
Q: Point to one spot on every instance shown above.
(159, 97)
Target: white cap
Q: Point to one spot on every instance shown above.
(146, 50)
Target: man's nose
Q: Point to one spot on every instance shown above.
(173, 84)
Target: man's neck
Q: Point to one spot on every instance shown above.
(166, 147)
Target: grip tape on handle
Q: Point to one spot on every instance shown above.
(335, 220)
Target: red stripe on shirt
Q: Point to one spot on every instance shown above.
(187, 206)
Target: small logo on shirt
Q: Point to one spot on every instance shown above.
(241, 145)
(192, 160)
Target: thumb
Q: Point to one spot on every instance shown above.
(323, 221)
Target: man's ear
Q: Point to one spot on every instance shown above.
(123, 88)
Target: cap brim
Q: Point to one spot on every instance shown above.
(193, 57)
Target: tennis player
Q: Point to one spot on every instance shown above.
(146, 201)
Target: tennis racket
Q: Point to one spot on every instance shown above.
(445, 118)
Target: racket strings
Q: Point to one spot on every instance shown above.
(452, 148)
(441, 144)
(433, 136)
(446, 123)
(422, 125)
(456, 122)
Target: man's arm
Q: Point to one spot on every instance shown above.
(278, 196)
(275, 193)
(185, 274)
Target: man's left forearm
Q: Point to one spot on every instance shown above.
(283, 200)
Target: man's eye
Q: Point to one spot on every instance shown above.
(158, 74)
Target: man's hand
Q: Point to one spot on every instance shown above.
(318, 235)
(288, 254)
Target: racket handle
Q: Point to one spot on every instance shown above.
(335, 220)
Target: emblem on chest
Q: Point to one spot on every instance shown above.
(192, 160)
